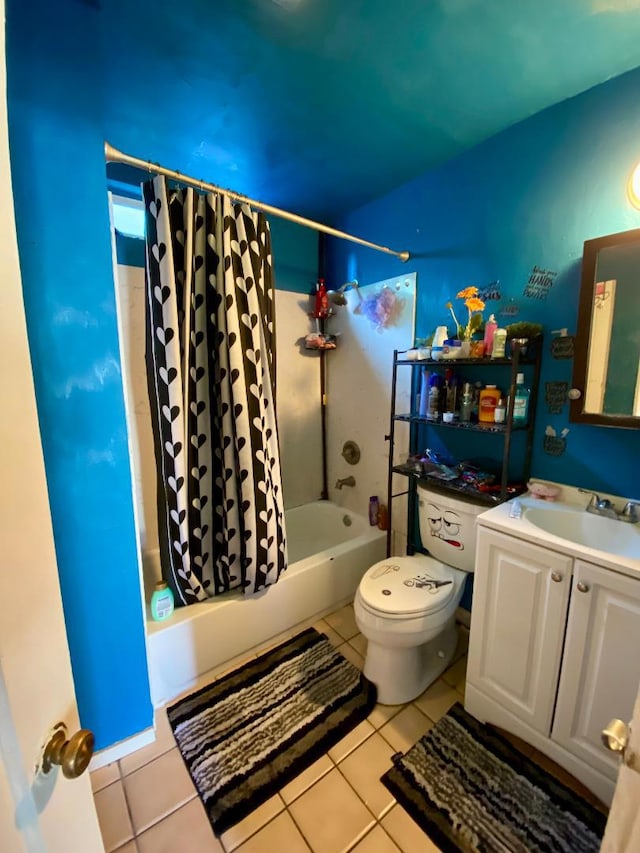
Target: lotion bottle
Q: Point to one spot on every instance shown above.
(162, 601)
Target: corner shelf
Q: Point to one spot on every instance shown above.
(505, 431)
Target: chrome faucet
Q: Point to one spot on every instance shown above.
(346, 481)
(604, 507)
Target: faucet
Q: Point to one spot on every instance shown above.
(346, 481)
(604, 507)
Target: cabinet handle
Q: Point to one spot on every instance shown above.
(582, 587)
(556, 577)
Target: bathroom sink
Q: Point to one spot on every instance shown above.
(585, 528)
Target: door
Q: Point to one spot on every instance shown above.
(50, 812)
(601, 665)
(623, 825)
(517, 625)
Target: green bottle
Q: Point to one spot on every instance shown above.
(161, 601)
(521, 402)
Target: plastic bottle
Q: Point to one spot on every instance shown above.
(488, 401)
(489, 331)
(500, 411)
(322, 300)
(521, 401)
(434, 404)
(161, 601)
(499, 343)
(373, 510)
(383, 517)
(424, 393)
(466, 403)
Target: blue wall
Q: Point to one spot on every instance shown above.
(56, 139)
(529, 196)
(58, 121)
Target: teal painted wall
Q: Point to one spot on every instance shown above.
(58, 172)
(529, 196)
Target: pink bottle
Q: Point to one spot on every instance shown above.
(489, 331)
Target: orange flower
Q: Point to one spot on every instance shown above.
(474, 304)
(467, 293)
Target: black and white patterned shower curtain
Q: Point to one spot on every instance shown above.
(211, 371)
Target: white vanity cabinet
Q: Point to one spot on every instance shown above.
(554, 652)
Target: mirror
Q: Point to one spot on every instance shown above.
(607, 347)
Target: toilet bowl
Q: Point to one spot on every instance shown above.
(405, 606)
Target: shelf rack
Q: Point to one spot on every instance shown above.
(503, 431)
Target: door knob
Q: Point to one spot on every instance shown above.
(615, 736)
(73, 755)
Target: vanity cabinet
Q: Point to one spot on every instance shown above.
(554, 652)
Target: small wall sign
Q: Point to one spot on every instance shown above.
(553, 444)
(555, 394)
(563, 347)
(540, 283)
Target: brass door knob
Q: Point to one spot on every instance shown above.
(72, 755)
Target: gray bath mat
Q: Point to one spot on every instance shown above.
(470, 790)
(246, 735)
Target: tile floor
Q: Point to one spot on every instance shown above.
(147, 803)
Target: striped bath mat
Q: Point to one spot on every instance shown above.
(246, 735)
(471, 791)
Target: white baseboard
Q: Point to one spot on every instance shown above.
(122, 748)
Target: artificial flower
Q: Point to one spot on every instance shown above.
(475, 307)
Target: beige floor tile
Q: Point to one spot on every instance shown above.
(186, 830)
(306, 779)
(347, 651)
(381, 714)
(241, 832)
(113, 816)
(104, 776)
(281, 835)
(163, 743)
(406, 833)
(359, 643)
(324, 628)
(129, 847)
(363, 768)
(436, 700)
(376, 841)
(456, 675)
(330, 815)
(158, 789)
(350, 741)
(343, 621)
(406, 728)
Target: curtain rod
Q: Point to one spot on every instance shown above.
(112, 155)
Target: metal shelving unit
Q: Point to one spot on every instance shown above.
(503, 432)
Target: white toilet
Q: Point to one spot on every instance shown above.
(405, 606)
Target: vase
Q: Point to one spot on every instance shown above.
(465, 349)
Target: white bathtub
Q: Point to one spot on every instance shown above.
(329, 550)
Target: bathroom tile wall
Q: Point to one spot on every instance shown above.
(528, 197)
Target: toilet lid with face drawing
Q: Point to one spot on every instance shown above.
(417, 584)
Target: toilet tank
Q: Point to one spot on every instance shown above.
(448, 527)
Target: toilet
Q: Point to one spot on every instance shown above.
(405, 606)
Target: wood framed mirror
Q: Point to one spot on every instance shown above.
(606, 368)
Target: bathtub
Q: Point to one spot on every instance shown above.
(329, 550)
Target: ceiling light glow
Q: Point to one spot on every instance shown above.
(633, 187)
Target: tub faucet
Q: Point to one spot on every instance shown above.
(346, 481)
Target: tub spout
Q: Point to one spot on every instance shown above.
(346, 481)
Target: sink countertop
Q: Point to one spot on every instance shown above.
(498, 518)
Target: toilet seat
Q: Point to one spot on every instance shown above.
(407, 586)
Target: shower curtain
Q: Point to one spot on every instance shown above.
(210, 354)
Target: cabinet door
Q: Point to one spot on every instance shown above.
(518, 617)
(601, 664)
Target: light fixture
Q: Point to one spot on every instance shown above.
(633, 187)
